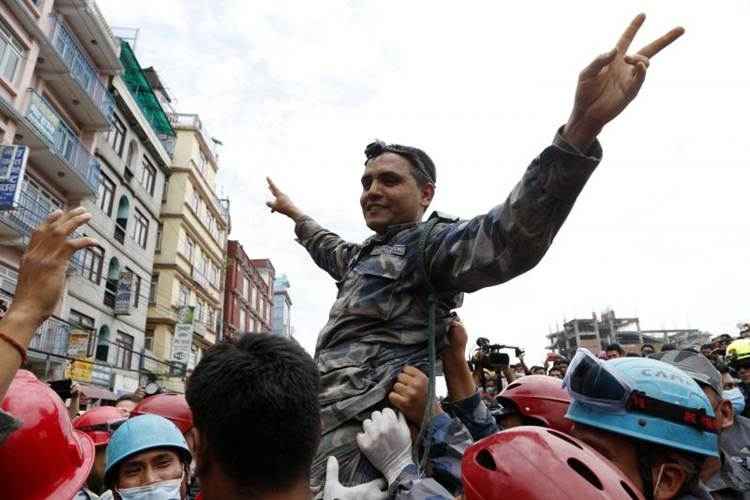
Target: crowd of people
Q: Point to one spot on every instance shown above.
(262, 419)
(659, 425)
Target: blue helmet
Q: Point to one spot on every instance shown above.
(139, 434)
(661, 382)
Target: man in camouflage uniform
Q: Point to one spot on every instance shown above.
(378, 322)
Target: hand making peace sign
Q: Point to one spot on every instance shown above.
(610, 82)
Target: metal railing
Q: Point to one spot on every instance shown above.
(51, 337)
(70, 51)
(62, 141)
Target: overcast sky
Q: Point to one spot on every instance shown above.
(295, 90)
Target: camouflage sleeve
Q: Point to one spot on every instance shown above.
(512, 237)
(8, 424)
(449, 441)
(474, 414)
(330, 253)
(409, 486)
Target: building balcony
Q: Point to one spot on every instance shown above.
(51, 337)
(200, 279)
(89, 25)
(57, 150)
(70, 73)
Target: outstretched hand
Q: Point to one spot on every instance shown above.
(281, 202)
(610, 83)
(41, 277)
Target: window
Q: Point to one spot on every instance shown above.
(184, 296)
(212, 318)
(198, 309)
(38, 203)
(106, 195)
(246, 289)
(243, 321)
(189, 248)
(116, 135)
(91, 264)
(140, 228)
(113, 278)
(159, 232)
(202, 163)
(124, 350)
(195, 201)
(102, 344)
(83, 322)
(136, 288)
(165, 192)
(153, 289)
(132, 152)
(10, 55)
(148, 339)
(148, 176)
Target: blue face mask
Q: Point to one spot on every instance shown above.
(737, 398)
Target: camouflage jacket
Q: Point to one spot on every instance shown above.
(378, 322)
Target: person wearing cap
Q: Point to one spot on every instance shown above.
(147, 457)
(99, 423)
(648, 417)
(377, 323)
(647, 350)
(534, 400)
(42, 455)
(725, 477)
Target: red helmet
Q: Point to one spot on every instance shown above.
(541, 398)
(173, 407)
(536, 463)
(99, 423)
(45, 457)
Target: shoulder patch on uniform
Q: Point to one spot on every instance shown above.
(399, 250)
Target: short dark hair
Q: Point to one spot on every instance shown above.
(129, 396)
(647, 345)
(255, 403)
(615, 347)
(668, 347)
(707, 346)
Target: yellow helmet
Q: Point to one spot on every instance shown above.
(739, 352)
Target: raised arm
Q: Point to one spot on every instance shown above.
(515, 235)
(328, 250)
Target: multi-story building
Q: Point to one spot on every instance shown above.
(595, 333)
(189, 262)
(262, 298)
(282, 307)
(134, 165)
(247, 297)
(55, 60)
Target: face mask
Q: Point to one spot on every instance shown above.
(164, 490)
(737, 398)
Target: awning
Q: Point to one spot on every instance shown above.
(94, 392)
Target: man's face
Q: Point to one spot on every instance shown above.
(647, 351)
(149, 467)
(613, 354)
(126, 405)
(555, 373)
(390, 194)
(706, 351)
(538, 371)
(744, 373)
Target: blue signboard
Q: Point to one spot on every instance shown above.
(13, 160)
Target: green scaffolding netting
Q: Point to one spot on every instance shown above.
(141, 90)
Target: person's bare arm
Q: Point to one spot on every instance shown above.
(41, 279)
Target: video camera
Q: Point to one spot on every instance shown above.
(488, 355)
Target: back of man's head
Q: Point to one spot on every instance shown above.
(255, 406)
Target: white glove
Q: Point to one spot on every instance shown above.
(333, 490)
(386, 443)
